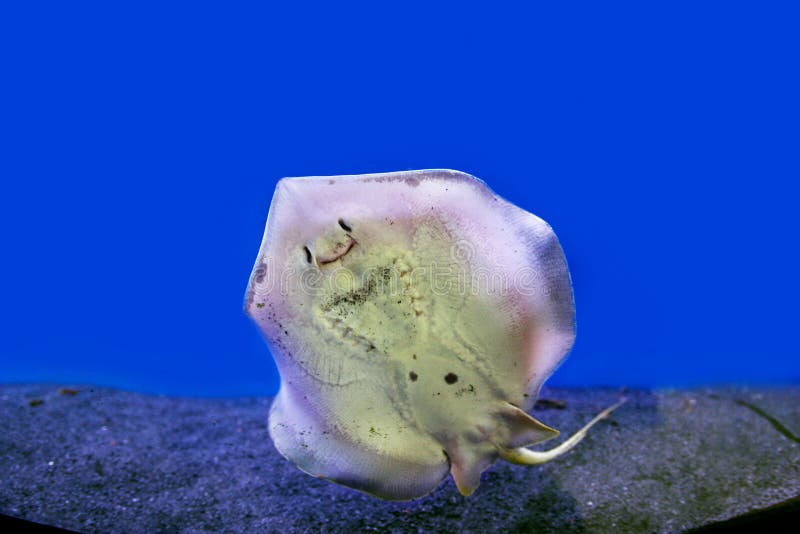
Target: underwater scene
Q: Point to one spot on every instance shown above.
(400, 268)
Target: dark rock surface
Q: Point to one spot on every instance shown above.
(105, 460)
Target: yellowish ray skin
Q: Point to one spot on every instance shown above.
(393, 365)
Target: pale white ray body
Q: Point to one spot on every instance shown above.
(413, 317)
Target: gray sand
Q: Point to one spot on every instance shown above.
(108, 460)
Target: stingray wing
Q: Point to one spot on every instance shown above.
(345, 411)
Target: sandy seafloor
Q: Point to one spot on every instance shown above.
(93, 459)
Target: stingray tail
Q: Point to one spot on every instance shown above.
(524, 456)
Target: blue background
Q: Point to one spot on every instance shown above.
(141, 145)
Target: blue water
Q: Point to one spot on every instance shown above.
(141, 145)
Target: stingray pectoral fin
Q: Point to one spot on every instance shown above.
(523, 456)
(312, 445)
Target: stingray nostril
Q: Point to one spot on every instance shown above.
(308, 254)
(346, 227)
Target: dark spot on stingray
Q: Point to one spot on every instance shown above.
(345, 226)
(351, 298)
(469, 389)
(413, 376)
(414, 356)
(451, 378)
(259, 304)
(35, 402)
(308, 254)
(261, 272)
(344, 302)
(68, 391)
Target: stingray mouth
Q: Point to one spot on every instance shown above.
(339, 251)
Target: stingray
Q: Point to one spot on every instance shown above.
(413, 317)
